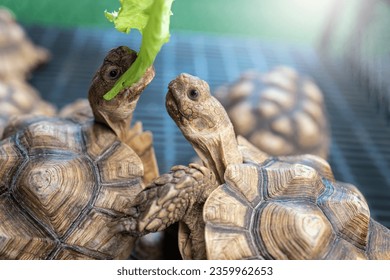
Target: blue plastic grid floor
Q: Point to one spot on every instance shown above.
(360, 148)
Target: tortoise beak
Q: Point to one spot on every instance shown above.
(172, 106)
(132, 92)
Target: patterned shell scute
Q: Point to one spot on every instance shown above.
(292, 230)
(61, 186)
(56, 178)
(52, 186)
(51, 136)
(280, 112)
(120, 163)
(120, 169)
(10, 159)
(227, 210)
(378, 238)
(229, 245)
(246, 179)
(344, 250)
(319, 164)
(104, 241)
(292, 181)
(291, 213)
(16, 232)
(99, 139)
(348, 211)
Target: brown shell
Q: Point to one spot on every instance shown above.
(139, 140)
(17, 98)
(18, 55)
(79, 110)
(280, 112)
(285, 209)
(61, 184)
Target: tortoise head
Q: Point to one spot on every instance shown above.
(204, 122)
(195, 111)
(117, 112)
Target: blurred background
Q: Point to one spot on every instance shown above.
(344, 45)
(296, 20)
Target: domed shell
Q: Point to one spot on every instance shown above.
(18, 55)
(139, 140)
(61, 184)
(280, 112)
(17, 98)
(78, 110)
(284, 209)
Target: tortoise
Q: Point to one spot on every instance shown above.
(244, 204)
(140, 141)
(18, 55)
(62, 180)
(281, 112)
(19, 98)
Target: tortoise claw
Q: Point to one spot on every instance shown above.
(204, 170)
(207, 173)
(131, 210)
(125, 225)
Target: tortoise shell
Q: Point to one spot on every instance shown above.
(243, 204)
(280, 112)
(77, 110)
(18, 55)
(61, 184)
(17, 98)
(139, 140)
(287, 208)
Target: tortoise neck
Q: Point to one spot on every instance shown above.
(117, 117)
(121, 126)
(219, 150)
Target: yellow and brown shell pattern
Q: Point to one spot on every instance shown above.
(285, 209)
(61, 184)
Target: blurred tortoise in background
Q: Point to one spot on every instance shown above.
(243, 204)
(62, 180)
(18, 55)
(18, 98)
(280, 112)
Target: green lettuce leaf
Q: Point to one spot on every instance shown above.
(151, 18)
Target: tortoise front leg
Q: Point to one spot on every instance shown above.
(168, 199)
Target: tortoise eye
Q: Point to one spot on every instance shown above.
(193, 94)
(112, 73)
